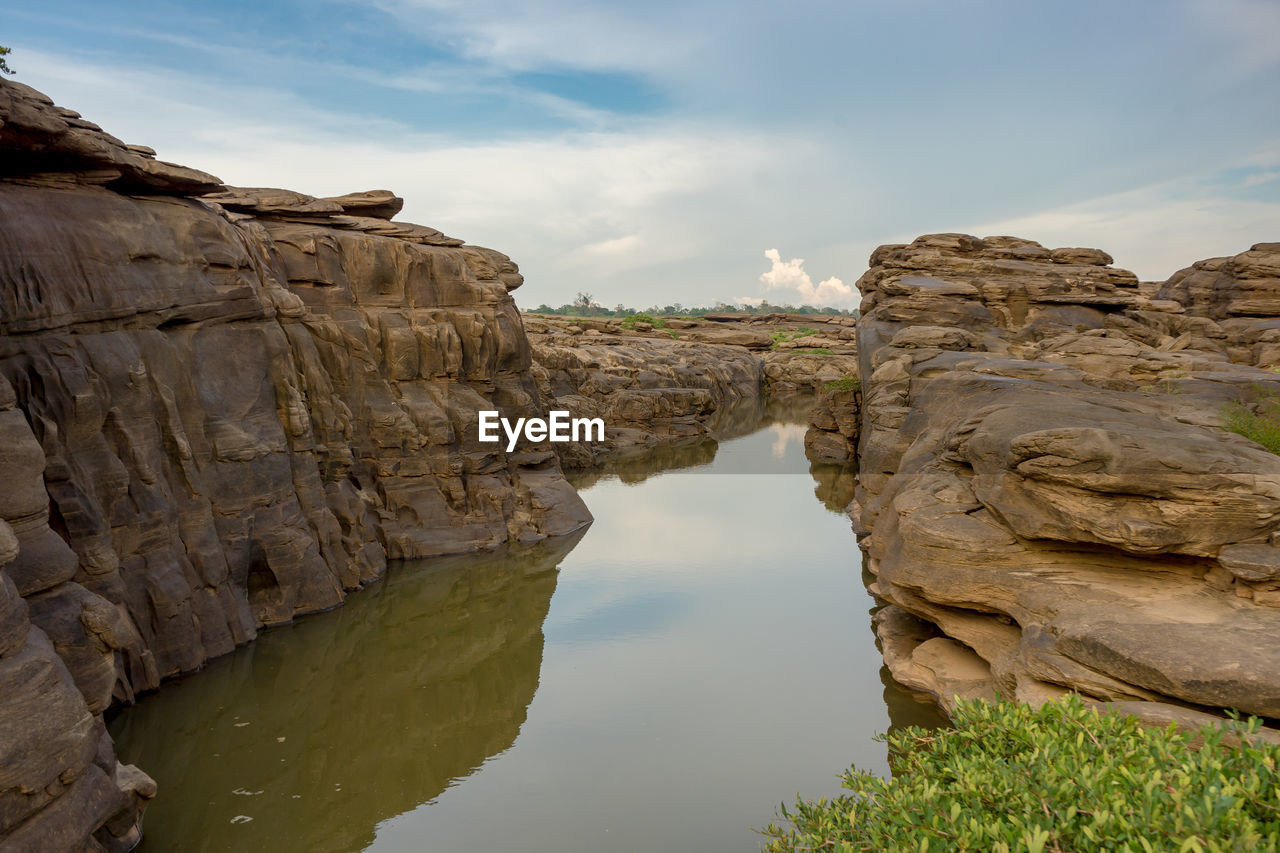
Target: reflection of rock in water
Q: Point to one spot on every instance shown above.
(789, 408)
(909, 709)
(835, 484)
(640, 464)
(735, 419)
(905, 707)
(320, 731)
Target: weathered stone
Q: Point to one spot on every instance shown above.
(1251, 562)
(379, 204)
(217, 413)
(1040, 446)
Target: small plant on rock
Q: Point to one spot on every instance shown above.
(1259, 422)
(844, 385)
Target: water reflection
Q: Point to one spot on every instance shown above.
(705, 656)
(318, 731)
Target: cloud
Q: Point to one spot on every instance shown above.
(784, 435)
(790, 275)
(1257, 179)
(1153, 231)
(572, 208)
(598, 35)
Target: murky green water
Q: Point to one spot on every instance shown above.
(660, 681)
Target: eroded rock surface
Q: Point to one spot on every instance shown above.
(219, 408)
(656, 385)
(1047, 490)
(648, 390)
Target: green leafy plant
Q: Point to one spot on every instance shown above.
(4, 66)
(1258, 422)
(656, 322)
(1062, 777)
(844, 385)
(782, 336)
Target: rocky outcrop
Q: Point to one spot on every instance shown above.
(834, 424)
(648, 390)
(655, 385)
(1048, 498)
(61, 786)
(1230, 305)
(242, 402)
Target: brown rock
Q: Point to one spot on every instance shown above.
(1039, 445)
(379, 204)
(218, 413)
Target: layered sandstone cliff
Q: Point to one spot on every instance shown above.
(1048, 497)
(220, 408)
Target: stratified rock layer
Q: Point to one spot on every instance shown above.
(1045, 482)
(648, 391)
(656, 385)
(241, 405)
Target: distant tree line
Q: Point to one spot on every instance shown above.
(586, 306)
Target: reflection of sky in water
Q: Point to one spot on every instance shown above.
(702, 654)
(786, 435)
(707, 656)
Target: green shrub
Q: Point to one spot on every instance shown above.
(1261, 424)
(656, 322)
(781, 336)
(844, 385)
(1061, 777)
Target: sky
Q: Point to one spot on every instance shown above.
(697, 151)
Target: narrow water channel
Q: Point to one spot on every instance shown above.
(660, 681)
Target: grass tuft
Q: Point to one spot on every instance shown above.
(1259, 422)
(844, 385)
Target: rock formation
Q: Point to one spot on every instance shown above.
(1048, 497)
(658, 385)
(648, 390)
(242, 402)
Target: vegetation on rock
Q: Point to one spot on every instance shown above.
(1259, 423)
(588, 307)
(844, 385)
(643, 317)
(780, 337)
(4, 66)
(1061, 777)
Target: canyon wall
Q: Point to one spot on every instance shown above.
(219, 408)
(1048, 496)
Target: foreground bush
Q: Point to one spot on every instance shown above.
(1260, 424)
(1058, 778)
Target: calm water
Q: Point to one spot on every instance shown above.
(660, 681)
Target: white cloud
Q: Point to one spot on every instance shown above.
(522, 35)
(790, 275)
(573, 208)
(1257, 179)
(1153, 231)
(784, 435)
